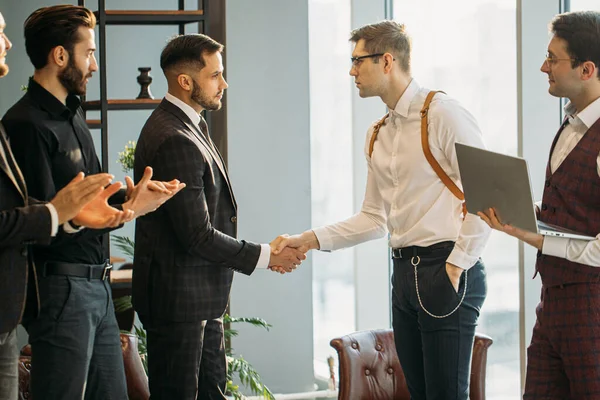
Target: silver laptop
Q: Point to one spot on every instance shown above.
(494, 180)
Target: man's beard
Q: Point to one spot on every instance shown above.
(3, 70)
(73, 79)
(203, 100)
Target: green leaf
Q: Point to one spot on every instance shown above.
(122, 303)
(253, 321)
(124, 243)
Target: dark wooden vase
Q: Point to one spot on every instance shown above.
(145, 80)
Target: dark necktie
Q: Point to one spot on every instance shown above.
(204, 129)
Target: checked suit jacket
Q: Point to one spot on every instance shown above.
(186, 251)
(23, 221)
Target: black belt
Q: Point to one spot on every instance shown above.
(414, 251)
(90, 271)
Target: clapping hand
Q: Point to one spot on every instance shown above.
(148, 195)
(71, 199)
(98, 214)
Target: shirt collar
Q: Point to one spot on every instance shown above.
(588, 116)
(186, 108)
(409, 94)
(50, 103)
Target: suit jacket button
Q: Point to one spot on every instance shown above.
(234, 219)
(544, 207)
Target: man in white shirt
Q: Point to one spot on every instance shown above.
(563, 360)
(439, 280)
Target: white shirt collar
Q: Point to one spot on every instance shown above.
(186, 108)
(588, 116)
(409, 94)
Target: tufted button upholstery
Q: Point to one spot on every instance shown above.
(374, 371)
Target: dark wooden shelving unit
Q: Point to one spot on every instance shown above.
(122, 104)
(210, 17)
(152, 17)
(94, 123)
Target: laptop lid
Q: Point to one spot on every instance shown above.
(500, 181)
(494, 180)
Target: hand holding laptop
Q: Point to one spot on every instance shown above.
(534, 239)
(498, 182)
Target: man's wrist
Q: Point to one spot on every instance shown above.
(309, 239)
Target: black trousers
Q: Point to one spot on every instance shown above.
(75, 345)
(186, 360)
(435, 353)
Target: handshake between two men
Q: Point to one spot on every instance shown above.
(287, 252)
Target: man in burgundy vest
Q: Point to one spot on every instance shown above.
(563, 359)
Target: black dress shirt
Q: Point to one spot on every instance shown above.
(52, 143)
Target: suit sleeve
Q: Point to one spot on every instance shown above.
(188, 213)
(25, 225)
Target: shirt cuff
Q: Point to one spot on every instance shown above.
(54, 218)
(555, 246)
(324, 238)
(265, 257)
(461, 259)
(68, 228)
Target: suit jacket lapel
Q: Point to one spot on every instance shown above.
(197, 133)
(9, 165)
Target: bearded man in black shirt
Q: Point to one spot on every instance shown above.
(76, 350)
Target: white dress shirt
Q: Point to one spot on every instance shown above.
(404, 194)
(265, 249)
(576, 250)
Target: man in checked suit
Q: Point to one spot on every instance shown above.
(186, 252)
(25, 221)
(562, 359)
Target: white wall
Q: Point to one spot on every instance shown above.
(269, 163)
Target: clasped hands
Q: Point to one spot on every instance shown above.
(287, 252)
(85, 201)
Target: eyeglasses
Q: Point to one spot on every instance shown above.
(551, 60)
(356, 61)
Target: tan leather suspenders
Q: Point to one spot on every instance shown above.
(426, 150)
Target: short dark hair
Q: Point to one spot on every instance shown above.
(386, 36)
(48, 27)
(581, 31)
(186, 51)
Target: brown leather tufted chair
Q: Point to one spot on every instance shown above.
(137, 382)
(369, 367)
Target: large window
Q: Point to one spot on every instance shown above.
(585, 5)
(331, 170)
(467, 48)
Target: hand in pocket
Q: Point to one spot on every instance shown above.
(454, 274)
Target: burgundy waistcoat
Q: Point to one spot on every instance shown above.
(572, 200)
